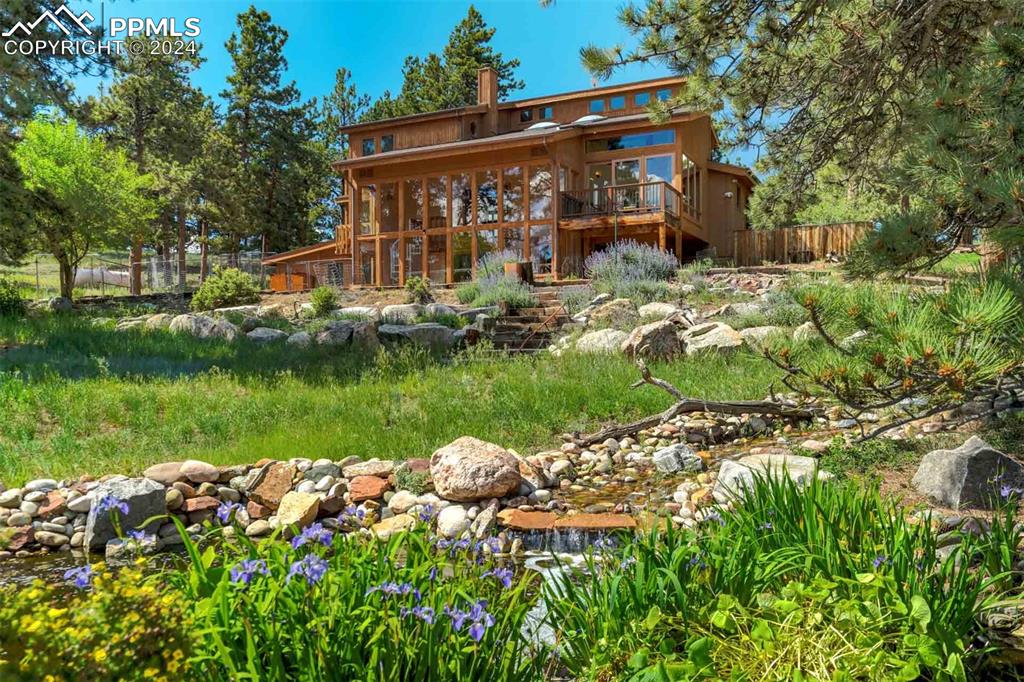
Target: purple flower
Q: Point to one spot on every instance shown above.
(110, 503)
(140, 536)
(627, 562)
(1005, 491)
(605, 543)
(80, 576)
(247, 569)
(393, 589)
(504, 576)
(767, 525)
(424, 613)
(457, 617)
(226, 510)
(311, 567)
(433, 573)
(428, 513)
(352, 516)
(879, 560)
(313, 533)
(476, 631)
(712, 515)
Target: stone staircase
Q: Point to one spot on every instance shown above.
(529, 330)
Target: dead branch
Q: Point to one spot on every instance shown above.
(684, 405)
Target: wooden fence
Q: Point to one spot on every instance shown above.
(800, 244)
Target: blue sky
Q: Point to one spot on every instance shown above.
(372, 38)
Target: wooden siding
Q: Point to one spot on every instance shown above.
(796, 244)
(578, 105)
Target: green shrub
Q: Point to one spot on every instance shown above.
(632, 270)
(643, 291)
(467, 293)
(11, 302)
(694, 269)
(227, 287)
(492, 265)
(575, 299)
(417, 290)
(323, 301)
(413, 481)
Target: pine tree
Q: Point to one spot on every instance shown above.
(449, 80)
(278, 170)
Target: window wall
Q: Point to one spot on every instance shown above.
(441, 225)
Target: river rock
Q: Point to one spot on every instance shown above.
(145, 499)
(402, 501)
(298, 509)
(657, 310)
(199, 472)
(10, 499)
(41, 485)
(469, 469)
(80, 504)
(678, 458)
(381, 468)
(51, 539)
(165, 473)
(971, 476)
(616, 313)
(270, 483)
(362, 488)
(385, 528)
(452, 521)
(736, 476)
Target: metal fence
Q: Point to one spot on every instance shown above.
(108, 275)
(310, 274)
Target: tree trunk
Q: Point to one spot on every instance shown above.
(135, 266)
(181, 249)
(67, 278)
(203, 231)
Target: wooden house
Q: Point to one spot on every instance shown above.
(552, 178)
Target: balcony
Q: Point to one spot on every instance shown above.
(639, 203)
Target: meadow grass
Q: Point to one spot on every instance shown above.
(82, 399)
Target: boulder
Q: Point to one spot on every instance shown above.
(657, 311)
(440, 309)
(710, 336)
(364, 336)
(743, 308)
(402, 501)
(755, 336)
(678, 458)
(431, 335)
(617, 313)
(203, 327)
(251, 309)
(298, 509)
(335, 333)
(603, 341)
(59, 304)
(469, 469)
(367, 312)
(158, 321)
(165, 473)
(735, 476)
(300, 340)
(263, 335)
(654, 341)
(362, 488)
(145, 499)
(405, 313)
(972, 476)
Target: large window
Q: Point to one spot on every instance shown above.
(540, 192)
(486, 197)
(437, 258)
(412, 197)
(641, 99)
(413, 257)
(368, 262)
(486, 242)
(596, 106)
(389, 262)
(437, 198)
(366, 209)
(514, 240)
(617, 102)
(462, 256)
(369, 146)
(462, 200)
(387, 143)
(650, 139)
(389, 207)
(540, 249)
(512, 194)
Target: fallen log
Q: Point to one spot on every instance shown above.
(684, 405)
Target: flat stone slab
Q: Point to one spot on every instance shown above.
(524, 520)
(597, 522)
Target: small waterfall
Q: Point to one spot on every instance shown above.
(559, 540)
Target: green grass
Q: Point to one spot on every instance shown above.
(78, 399)
(957, 264)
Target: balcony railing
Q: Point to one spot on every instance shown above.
(638, 198)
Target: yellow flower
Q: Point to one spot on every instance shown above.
(150, 672)
(173, 666)
(99, 655)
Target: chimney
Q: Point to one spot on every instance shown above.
(487, 94)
